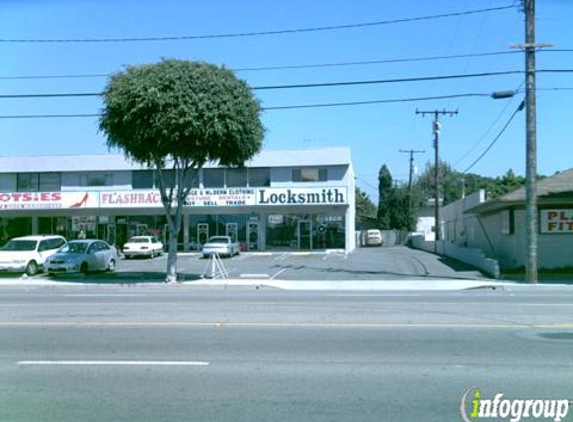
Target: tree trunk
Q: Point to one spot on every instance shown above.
(171, 276)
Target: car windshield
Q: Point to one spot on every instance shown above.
(20, 245)
(139, 240)
(79, 247)
(218, 240)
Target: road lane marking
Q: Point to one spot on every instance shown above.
(383, 303)
(111, 363)
(219, 324)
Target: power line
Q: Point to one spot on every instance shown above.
(318, 85)
(305, 66)
(289, 107)
(291, 67)
(254, 34)
(486, 133)
(296, 86)
(358, 103)
(521, 107)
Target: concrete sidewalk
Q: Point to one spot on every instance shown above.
(305, 285)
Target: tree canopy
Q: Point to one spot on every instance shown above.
(192, 111)
(180, 114)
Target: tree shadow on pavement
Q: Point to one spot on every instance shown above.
(124, 277)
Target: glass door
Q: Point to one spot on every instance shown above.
(253, 236)
(304, 234)
(232, 230)
(202, 233)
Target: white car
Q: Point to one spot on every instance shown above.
(28, 254)
(373, 237)
(143, 246)
(221, 245)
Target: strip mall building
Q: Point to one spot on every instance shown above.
(280, 200)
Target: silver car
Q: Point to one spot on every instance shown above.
(221, 245)
(82, 256)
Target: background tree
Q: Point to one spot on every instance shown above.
(384, 198)
(365, 210)
(175, 116)
(455, 184)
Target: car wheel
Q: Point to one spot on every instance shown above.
(31, 268)
(84, 268)
(111, 265)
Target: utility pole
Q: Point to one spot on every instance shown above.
(531, 141)
(411, 152)
(436, 129)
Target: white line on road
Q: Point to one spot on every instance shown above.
(112, 363)
(106, 295)
(277, 273)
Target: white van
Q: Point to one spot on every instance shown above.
(27, 254)
(373, 237)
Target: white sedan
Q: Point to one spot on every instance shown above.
(221, 245)
(143, 246)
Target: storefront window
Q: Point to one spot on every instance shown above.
(282, 231)
(309, 174)
(201, 227)
(15, 227)
(27, 182)
(8, 182)
(309, 231)
(213, 178)
(96, 178)
(236, 177)
(259, 177)
(50, 182)
(142, 179)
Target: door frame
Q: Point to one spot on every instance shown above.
(299, 235)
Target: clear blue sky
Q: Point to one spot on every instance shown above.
(374, 132)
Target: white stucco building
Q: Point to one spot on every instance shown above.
(280, 200)
(497, 226)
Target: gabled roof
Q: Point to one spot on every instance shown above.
(561, 182)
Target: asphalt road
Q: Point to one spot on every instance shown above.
(388, 263)
(179, 353)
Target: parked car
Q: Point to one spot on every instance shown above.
(143, 246)
(221, 245)
(82, 256)
(29, 253)
(373, 237)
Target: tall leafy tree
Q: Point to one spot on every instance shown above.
(365, 210)
(175, 116)
(384, 198)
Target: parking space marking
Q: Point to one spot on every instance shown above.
(277, 273)
(283, 256)
(111, 362)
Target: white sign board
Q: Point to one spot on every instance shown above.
(224, 197)
(302, 196)
(48, 200)
(86, 223)
(556, 221)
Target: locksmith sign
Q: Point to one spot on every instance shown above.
(302, 196)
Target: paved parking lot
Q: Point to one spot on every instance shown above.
(363, 264)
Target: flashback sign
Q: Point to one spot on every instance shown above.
(556, 221)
